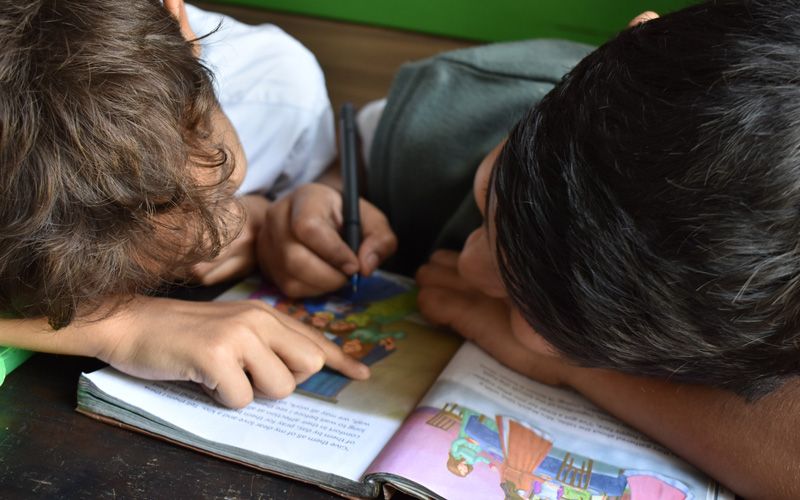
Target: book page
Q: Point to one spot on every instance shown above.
(484, 431)
(331, 424)
(299, 429)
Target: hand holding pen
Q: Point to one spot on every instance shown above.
(303, 246)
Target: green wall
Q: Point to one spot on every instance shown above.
(484, 20)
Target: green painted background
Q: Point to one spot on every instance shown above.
(485, 20)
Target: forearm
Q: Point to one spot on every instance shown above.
(752, 448)
(95, 334)
(79, 338)
(332, 176)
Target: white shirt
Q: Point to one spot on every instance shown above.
(273, 91)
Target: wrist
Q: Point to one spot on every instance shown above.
(255, 208)
(98, 334)
(84, 336)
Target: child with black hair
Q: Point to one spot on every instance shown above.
(640, 241)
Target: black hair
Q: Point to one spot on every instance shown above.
(648, 208)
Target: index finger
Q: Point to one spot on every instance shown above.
(335, 358)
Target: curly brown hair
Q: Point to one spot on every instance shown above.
(111, 179)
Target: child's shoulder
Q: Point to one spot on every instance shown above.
(257, 63)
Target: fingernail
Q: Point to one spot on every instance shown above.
(350, 268)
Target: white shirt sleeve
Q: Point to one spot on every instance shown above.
(273, 91)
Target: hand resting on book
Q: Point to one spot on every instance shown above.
(232, 349)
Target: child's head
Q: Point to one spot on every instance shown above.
(112, 171)
(647, 210)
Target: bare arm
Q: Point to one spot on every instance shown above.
(752, 448)
(35, 334)
(230, 348)
(332, 176)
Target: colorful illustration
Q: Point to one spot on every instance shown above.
(357, 321)
(504, 457)
(477, 442)
(524, 450)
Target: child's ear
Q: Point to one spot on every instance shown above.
(178, 10)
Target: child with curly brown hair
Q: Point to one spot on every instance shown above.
(119, 172)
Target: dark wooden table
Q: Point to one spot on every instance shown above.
(48, 450)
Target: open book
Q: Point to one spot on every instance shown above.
(437, 419)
